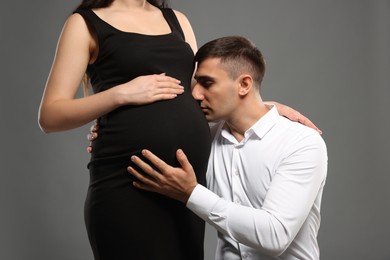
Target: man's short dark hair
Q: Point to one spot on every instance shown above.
(237, 55)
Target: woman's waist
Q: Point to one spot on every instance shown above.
(162, 140)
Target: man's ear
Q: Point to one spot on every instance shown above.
(245, 84)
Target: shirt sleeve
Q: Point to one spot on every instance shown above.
(291, 195)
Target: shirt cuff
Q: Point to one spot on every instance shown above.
(202, 201)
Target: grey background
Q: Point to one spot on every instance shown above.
(328, 59)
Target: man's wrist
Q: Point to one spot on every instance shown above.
(202, 201)
(188, 193)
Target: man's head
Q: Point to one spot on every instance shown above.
(229, 70)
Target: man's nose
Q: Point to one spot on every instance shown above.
(197, 92)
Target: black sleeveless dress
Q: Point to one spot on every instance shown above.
(123, 222)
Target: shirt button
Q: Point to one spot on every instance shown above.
(245, 255)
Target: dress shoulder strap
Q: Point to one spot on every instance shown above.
(173, 22)
(95, 24)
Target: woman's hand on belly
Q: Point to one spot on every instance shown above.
(148, 89)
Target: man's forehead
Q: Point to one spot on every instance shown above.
(207, 68)
(212, 61)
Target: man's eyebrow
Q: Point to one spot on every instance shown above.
(203, 77)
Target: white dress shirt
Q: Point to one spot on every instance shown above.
(265, 191)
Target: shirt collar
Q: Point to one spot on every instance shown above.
(260, 128)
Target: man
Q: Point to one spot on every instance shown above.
(266, 174)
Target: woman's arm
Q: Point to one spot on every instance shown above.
(293, 115)
(187, 30)
(189, 35)
(60, 110)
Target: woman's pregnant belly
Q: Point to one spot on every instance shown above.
(162, 127)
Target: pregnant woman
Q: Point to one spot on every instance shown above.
(138, 56)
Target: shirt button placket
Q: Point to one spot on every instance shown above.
(235, 179)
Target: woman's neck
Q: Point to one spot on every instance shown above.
(130, 5)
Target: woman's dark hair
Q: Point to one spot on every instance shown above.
(237, 54)
(89, 4)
